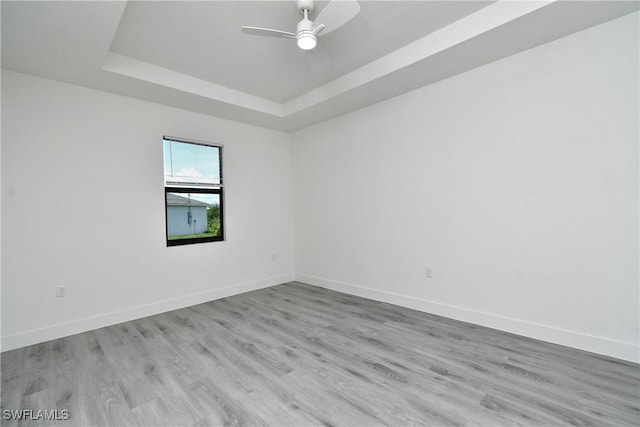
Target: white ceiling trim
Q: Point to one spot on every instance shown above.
(467, 28)
(130, 67)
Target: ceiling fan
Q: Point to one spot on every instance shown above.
(333, 16)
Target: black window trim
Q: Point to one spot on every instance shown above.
(188, 188)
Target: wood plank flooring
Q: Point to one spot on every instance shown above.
(298, 355)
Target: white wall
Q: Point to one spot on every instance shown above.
(517, 183)
(83, 206)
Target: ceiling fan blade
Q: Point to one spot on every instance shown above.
(336, 14)
(268, 32)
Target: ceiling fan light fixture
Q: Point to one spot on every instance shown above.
(306, 40)
(332, 16)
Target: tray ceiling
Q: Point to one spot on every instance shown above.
(193, 55)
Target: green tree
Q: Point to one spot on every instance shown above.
(213, 220)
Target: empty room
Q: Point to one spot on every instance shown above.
(320, 213)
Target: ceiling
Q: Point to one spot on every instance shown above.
(192, 55)
(271, 68)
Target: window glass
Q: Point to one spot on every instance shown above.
(188, 163)
(193, 192)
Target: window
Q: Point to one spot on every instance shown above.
(193, 191)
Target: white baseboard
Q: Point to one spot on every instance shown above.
(60, 330)
(601, 345)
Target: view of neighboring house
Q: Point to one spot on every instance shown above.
(185, 215)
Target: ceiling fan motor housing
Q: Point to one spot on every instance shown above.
(304, 26)
(305, 35)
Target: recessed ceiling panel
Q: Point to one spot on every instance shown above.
(204, 40)
(193, 55)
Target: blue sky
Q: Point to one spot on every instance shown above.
(184, 162)
(191, 162)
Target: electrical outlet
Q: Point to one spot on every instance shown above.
(61, 291)
(428, 272)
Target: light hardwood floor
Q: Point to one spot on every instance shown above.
(299, 355)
